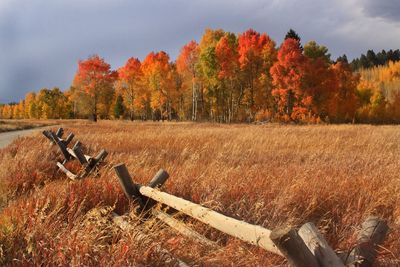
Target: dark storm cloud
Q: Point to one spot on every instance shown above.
(386, 9)
(41, 41)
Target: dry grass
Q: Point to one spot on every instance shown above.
(15, 125)
(271, 175)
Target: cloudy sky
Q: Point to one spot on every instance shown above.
(41, 41)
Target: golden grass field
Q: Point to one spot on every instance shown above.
(272, 175)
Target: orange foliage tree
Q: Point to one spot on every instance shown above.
(157, 71)
(257, 54)
(187, 66)
(95, 79)
(287, 75)
(131, 86)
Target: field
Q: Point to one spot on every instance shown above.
(271, 175)
(14, 125)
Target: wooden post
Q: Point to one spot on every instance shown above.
(69, 139)
(293, 248)
(373, 233)
(61, 145)
(79, 154)
(60, 132)
(318, 246)
(159, 179)
(100, 157)
(130, 189)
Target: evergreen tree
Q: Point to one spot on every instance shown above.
(342, 59)
(118, 107)
(292, 34)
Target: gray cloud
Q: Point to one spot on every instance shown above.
(41, 41)
(386, 9)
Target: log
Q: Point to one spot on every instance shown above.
(293, 248)
(169, 259)
(66, 171)
(130, 189)
(318, 246)
(252, 234)
(373, 233)
(159, 179)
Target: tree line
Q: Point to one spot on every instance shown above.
(226, 77)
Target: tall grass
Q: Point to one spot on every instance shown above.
(271, 175)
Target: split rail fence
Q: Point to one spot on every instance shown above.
(305, 247)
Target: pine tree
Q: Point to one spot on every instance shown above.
(118, 107)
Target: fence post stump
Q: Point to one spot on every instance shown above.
(159, 179)
(130, 189)
(373, 233)
(293, 248)
(319, 247)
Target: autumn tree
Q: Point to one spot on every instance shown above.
(287, 74)
(228, 72)
(158, 78)
(131, 86)
(343, 103)
(319, 83)
(187, 66)
(95, 79)
(257, 54)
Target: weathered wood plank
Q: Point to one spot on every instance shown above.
(293, 248)
(252, 234)
(318, 246)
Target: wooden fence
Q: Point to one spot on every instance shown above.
(305, 247)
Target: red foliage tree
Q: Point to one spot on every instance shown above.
(95, 78)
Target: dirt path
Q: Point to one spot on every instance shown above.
(7, 137)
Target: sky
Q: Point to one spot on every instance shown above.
(41, 41)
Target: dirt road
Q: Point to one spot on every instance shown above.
(7, 137)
